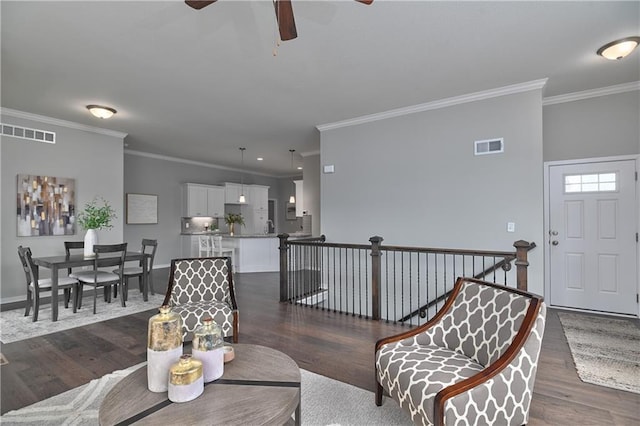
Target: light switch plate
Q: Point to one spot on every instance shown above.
(511, 227)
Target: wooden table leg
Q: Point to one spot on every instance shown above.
(54, 293)
(145, 281)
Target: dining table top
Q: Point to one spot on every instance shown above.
(64, 261)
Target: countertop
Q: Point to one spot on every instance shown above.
(224, 235)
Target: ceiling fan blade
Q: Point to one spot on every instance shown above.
(199, 4)
(365, 1)
(286, 23)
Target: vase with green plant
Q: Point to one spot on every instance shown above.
(97, 214)
(231, 219)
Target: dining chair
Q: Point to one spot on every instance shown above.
(107, 255)
(148, 247)
(35, 285)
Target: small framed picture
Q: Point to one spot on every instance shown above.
(142, 209)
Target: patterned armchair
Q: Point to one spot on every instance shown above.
(474, 363)
(203, 287)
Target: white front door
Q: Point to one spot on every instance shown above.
(592, 236)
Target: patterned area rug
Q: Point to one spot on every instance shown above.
(14, 326)
(324, 402)
(606, 350)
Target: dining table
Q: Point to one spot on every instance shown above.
(56, 263)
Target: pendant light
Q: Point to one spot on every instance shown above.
(242, 198)
(292, 199)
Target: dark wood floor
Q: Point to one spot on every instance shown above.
(334, 345)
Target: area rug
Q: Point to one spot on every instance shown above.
(606, 350)
(324, 402)
(14, 326)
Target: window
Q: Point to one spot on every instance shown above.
(594, 182)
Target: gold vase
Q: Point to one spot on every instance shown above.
(231, 228)
(185, 380)
(164, 347)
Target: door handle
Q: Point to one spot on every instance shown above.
(554, 242)
(553, 232)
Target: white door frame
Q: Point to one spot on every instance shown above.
(547, 202)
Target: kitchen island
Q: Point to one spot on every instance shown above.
(253, 253)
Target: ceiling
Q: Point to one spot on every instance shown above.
(200, 84)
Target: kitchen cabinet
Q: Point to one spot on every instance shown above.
(232, 192)
(203, 200)
(215, 201)
(299, 197)
(259, 197)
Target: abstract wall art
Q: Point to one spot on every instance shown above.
(45, 205)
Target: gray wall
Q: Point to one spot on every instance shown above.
(287, 187)
(415, 181)
(164, 177)
(93, 159)
(595, 127)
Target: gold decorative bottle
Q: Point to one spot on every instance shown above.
(164, 347)
(208, 348)
(186, 382)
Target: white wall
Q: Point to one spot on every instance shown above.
(414, 179)
(312, 200)
(595, 127)
(91, 156)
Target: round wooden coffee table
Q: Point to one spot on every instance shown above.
(260, 386)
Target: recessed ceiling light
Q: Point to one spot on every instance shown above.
(259, 158)
(299, 167)
(618, 49)
(101, 111)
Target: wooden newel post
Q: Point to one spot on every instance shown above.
(284, 267)
(376, 276)
(522, 248)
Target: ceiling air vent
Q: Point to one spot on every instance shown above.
(489, 146)
(26, 133)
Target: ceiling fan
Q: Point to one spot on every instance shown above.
(284, 15)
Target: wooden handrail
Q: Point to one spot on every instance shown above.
(502, 264)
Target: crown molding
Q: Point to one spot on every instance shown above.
(193, 162)
(62, 123)
(593, 93)
(442, 103)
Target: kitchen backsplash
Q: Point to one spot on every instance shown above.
(199, 224)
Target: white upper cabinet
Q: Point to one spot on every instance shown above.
(232, 193)
(215, 201)
(203, 200)
(259, 197)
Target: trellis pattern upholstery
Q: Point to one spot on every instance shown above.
(200, 288)
(474, 363)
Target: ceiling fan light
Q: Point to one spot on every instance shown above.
(619, 49)
(292, 199)
(100, 111)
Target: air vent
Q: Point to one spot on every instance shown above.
(30, 134)
(489, 146)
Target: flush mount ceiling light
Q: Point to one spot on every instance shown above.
(292, 199)
(618, 49)
(101, 111)
(242, 198)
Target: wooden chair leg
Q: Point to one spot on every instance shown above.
(80, 294)
(95, 298)
(28, 304)
(67, 297)
(36, 306)
(123, 293)
(378, 393)
(74, 296)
